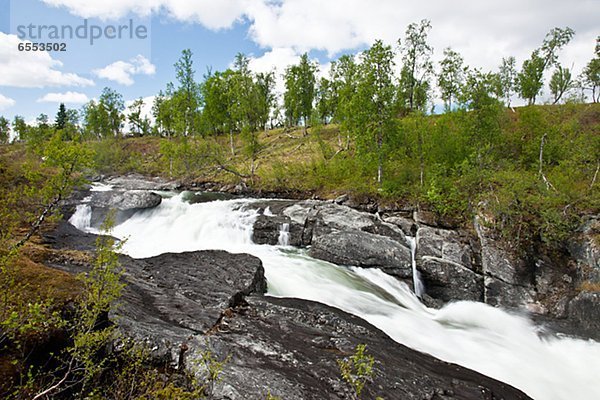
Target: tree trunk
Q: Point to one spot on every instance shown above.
(231, 142)
(380, 157)
(304, 128)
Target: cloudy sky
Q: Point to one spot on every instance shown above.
(272, 32)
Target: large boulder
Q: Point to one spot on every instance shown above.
(449, 266)
(508, 280)
(268, 230)
(363, 249)
(140, 182)
(585, 250)
(337, 234)
(125, 200)
(446, 280)
(584, 310)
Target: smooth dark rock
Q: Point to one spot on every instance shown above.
(447, 245)
(290, 348)
(267, 230)
(408, 226)
(448, 265)
(363, 249)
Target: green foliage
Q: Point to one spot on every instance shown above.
(186, 157)
(451, 77)
(530, 79)
(4, 130)
(591, 74)
(186, 98)
(140, 126)
(373, 123)
(357, 370)
(300, 91)
(507, 79)
(61, 117)
(560, 83)
(416, 67)
(271, 397)
(20, 128)
(104, 118)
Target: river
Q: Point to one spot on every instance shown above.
(492, 341)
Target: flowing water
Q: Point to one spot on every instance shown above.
(486, 339)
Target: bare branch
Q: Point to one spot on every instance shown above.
(57, 385)
(541, 171)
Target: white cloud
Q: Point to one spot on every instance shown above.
(6, 102)
(32, 69)
(212, 14)
(122, 71)
(482, 31)
(276, 60)
(67, 97)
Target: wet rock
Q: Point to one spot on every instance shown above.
(267, 230)
(585, 250)
(447, 280)
(408, 226)
(447, 245)
(448, 265)
(508, 281)
(425, 218)
(341, 199)
(290, 348)
(363, 249)
(584, 309)
(125, 200)
(140, 182)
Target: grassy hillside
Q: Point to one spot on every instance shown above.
(453, 164)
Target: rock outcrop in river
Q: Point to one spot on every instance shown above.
(455, 264)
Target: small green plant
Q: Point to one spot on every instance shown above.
(271, 397)
(357, 370)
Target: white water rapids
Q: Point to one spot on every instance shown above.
(486, 339)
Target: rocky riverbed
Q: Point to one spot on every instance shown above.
(289, 347)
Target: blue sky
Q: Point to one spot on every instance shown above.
(273, 32)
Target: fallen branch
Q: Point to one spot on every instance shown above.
(222, 167)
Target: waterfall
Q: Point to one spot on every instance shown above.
(489, 340)
(284, 235)
(82, 218)
(418, 285)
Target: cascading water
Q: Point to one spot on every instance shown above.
(284, 235)
(489, 340)
(82, 217)
(418, 284)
